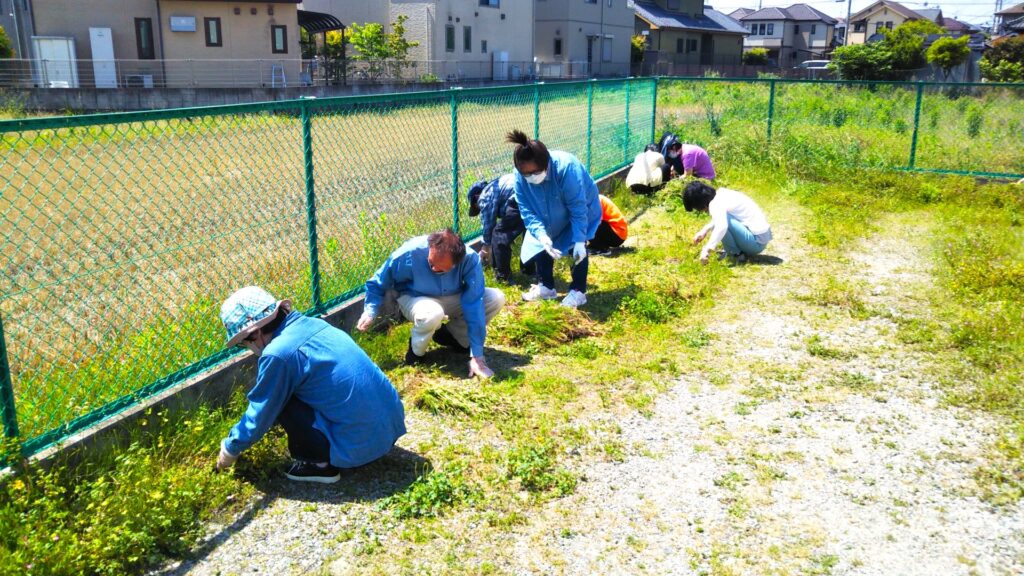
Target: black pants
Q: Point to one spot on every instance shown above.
(546, 271)
(304, 442)
(605, 238)
(509, 227)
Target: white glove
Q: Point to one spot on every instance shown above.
(225, 459)
(579, 252)
(478, 367)
(364, 322)
(545, 241)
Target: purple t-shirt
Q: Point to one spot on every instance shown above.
(696, 158)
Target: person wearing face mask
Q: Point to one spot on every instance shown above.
(685, 160)
(336, 406)
(438, 280)
(559, 204)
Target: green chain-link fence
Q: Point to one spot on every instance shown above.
(972, 129)
(120, 234)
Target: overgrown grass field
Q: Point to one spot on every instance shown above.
(163, 218)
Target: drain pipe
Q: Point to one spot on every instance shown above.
(163, 57)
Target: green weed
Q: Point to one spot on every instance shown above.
(431, 494)
(533, 465)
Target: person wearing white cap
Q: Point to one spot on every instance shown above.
(336, 406)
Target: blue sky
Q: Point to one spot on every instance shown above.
(975, 12)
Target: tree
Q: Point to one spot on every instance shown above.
(948, 53)
(6, 51)
(637, 44)
(1004, 62)
(382, 51)
(756, 57)
(906, 45)
(871, 61)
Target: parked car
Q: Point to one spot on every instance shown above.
(814, 69)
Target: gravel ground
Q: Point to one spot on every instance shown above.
(769, 460)
(807, 477)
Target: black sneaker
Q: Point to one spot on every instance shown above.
(411, 358)
(600, 251)
(443, 337)
(309, 472)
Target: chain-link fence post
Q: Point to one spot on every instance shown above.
(7, 413)
(917, 124)
(536, 111)
(625, 141)
(455, 160)
(771, 108)
(654, 109)
(314, 254)
(590, 120)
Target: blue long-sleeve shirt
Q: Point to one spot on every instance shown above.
(492, 203)
(408, 271)
(565, 206)
(354, 404)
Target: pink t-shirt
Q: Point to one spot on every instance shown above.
(696, 158)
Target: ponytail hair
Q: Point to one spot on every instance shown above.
(528, 150)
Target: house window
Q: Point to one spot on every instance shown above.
(691, 45)
(144, 38)
(467, 38)
(796, 28)
(558, 46)
(483, 46)
(606, 49)
(590, 1)
(449, 38)
(211, 26)
(889, 24)
(279, 39)
(680, 44)
(493, 3)
(760, 29)
(814, 28)
(878, 26)
(859, 26)
(771, 29)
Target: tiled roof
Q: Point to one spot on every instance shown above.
(797, 12)
(1018, 9)
(929, 13)
(740, 13)
(894, 6)
(713, 20)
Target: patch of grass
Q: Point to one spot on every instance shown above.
(539, 326)
(431, 494)
(124, 508)
(854, 381)
(447, 399)
(533, 465)
(817, 347)
(832, 292)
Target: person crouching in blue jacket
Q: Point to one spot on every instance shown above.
(336, 406)
(499, 215)
(560, 207)
(438, 279)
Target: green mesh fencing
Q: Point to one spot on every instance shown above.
(972, 129)
(122, 233)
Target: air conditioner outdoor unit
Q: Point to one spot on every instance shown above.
(138, 80)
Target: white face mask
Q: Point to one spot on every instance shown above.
(536, 178)
(673, 154)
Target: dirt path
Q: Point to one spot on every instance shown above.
(814, 441)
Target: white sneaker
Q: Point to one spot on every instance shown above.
(574, 299)
(540, 292)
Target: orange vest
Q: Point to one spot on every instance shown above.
(610, 214)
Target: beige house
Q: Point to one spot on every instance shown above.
(886, 15)
(176, 43)
(790, 35)
(458, 39)
(689, 33)
(582, 37)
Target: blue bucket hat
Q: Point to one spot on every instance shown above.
(474, 196)
(248, 310)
